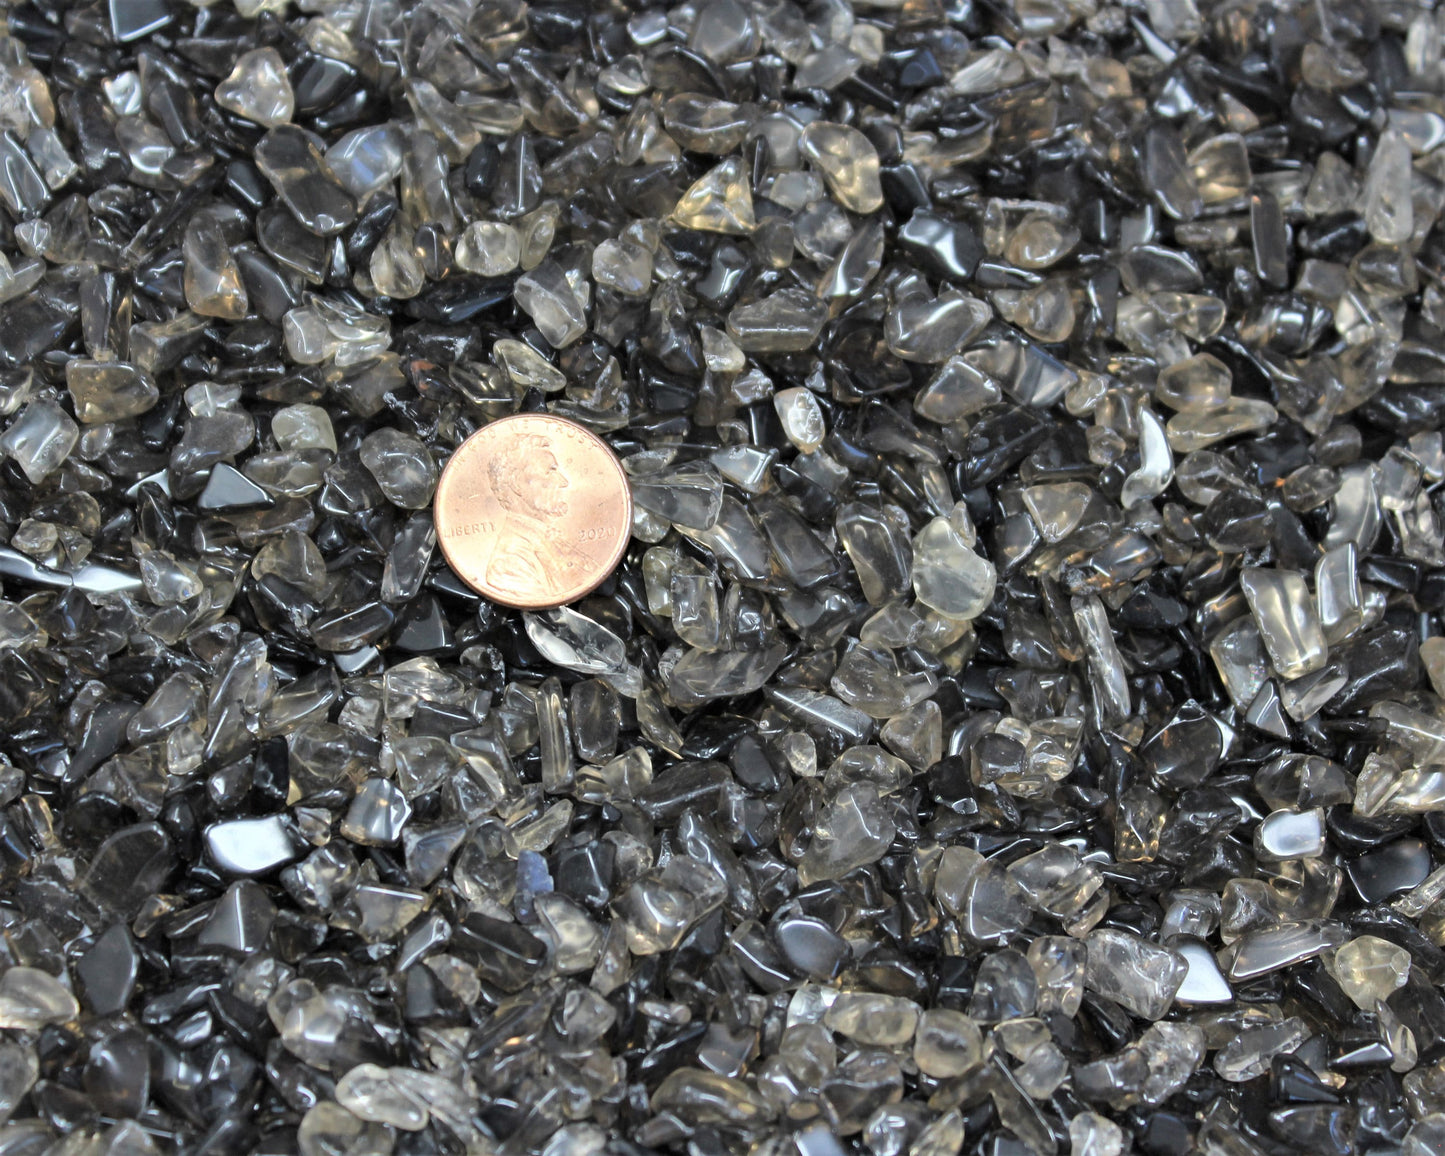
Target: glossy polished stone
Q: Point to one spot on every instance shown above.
(1013, 723)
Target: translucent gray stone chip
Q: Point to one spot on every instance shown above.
(1014, 721)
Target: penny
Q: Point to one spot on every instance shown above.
(533, 511)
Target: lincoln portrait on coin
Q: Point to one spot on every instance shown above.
(530, 552)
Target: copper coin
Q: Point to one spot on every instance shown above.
(533, 511)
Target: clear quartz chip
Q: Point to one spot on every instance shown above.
(1288, 624)
(1016, 722)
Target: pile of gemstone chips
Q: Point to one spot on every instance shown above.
(1016, 727)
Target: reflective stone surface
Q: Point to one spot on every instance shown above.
(1013, 727)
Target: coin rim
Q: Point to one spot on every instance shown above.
(624, 539)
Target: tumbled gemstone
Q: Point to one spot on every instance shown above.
(252, 846)
(1141, 976)
(787, 321)
(933, 329)
(31, 998)
(212, 278)
(948, 575)
(546, 294)
(108, 390)
(258, 88)
(853, 829)
(1288, 624)
(401, 466)
(1370, 969)
(291, 160)
(1388, 209)
(719, 202)
(848, 161)
(1032, 422)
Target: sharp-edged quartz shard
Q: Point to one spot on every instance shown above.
(719, 202)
